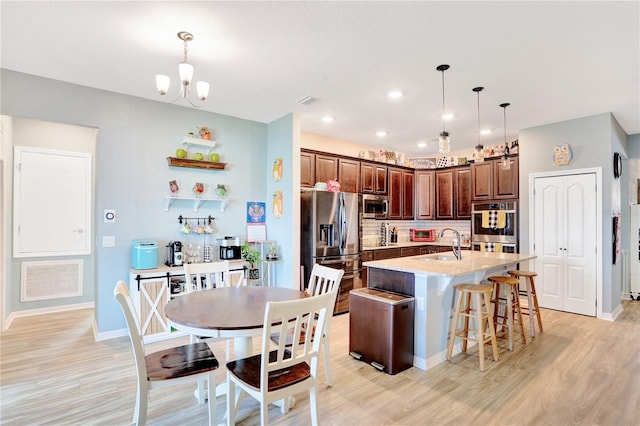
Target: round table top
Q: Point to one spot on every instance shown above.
(227, 308)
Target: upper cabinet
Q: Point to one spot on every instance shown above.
(400, 193)
(490, 182)
(373, 178)
(349, 175)
(425, 194)
(462, 179)
(307, 169)
(326, 168)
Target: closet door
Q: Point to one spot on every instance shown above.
(565, 242)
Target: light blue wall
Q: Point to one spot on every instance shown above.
(135, 137)
(633, 145)
(593, 141)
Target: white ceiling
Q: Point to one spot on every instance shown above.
(552, 61)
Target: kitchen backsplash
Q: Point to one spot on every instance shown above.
(370, 233)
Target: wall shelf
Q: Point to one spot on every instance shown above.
(197, 202)
(197, 141)
(195, 164)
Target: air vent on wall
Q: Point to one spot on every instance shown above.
(50, 280)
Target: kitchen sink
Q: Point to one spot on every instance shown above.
(439, 257)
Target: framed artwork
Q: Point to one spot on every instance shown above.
(255, 212)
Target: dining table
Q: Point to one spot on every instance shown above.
(227, 312)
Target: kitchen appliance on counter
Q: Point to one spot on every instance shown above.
(495, 225)
(144, 254)
(330, 236)
(375, 206)
(230, 248)
(423, 235)
(174, 253)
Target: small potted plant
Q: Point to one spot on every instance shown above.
(252, 256)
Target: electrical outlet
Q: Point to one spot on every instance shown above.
(108, 241)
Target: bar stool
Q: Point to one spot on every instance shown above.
(532, 309)
(481, 312)
(510, 303)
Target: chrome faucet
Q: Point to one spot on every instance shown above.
(457, 252)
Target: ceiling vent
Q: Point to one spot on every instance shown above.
(306, 100)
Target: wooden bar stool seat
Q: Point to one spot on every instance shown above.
(478, 308)
(507, 302)
(532, 309)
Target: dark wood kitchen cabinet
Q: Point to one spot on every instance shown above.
(425, 194)
(307, 169)
(400, 193)
(453, 193)
(373, 178)
(349, 175)
(326, 168)
(490, 182)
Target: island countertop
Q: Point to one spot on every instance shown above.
(472, 262)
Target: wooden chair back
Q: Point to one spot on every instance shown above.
(208, 275)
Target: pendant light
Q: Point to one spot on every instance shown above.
(479, 151)
(505, 164)
(443, 140)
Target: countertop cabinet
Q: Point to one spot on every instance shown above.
(490, 182)
(425, 194)
(373, 178)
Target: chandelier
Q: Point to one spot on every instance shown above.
(186, 75)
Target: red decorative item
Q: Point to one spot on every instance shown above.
(333, 185)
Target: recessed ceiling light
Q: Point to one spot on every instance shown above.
(381, 133)
(485, 131)
(394, 94)
(447, 116)
(327, 119)
(422, 144)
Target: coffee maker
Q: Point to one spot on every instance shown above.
(230, 248)
(174, 253)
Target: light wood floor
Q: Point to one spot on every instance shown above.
(580, 371)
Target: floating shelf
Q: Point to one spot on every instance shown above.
(197, 141)
(197, 202)
(195, 164)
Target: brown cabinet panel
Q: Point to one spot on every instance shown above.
(407, 194)
(445, 194)
(307, 169)
(389, 253)
(482, 180)
(463, 193)
(373, 178)
(380, 179)
(326, 168)
(349, 175)
(425, 194)
(395, 193)
(506, 181)
(410, 251)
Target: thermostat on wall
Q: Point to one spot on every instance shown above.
(109, 216)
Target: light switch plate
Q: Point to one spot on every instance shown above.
(420, 303)
(109, 216)
(108, 241)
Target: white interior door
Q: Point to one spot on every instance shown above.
(52, 203)
(565, 242)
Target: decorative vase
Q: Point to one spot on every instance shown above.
(221, 191)
(254, 273)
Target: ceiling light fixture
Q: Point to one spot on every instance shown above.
(395, 94)
(186, 74)
(485, 131)
(327, 119)
(505, 163)
(479, 151)
(381, 133)
(447, 116)
(443, 140)
(422, 144)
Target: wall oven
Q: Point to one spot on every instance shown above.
(494, 226)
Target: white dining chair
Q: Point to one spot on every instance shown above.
(202, 276)
(188, 363)
(275, 375)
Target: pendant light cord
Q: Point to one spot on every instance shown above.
(443, 107)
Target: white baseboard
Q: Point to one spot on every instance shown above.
(106, 335)
(41, 311)
(613, 315)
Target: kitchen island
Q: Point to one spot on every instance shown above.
(430, 279)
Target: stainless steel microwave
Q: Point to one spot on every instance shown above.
(375, 207)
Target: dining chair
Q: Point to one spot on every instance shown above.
(322, 280)
(173, 366)
(275, 375)
(202, 276)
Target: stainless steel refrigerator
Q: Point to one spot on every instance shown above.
(330, 236)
